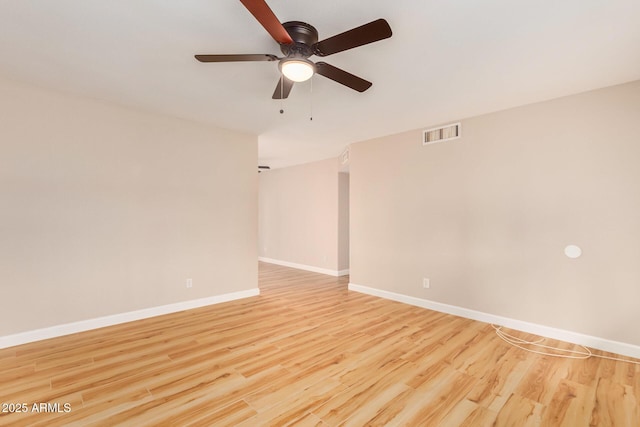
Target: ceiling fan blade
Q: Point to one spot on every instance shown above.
(342, 77)
(359, 36)
(265, 16)
(283, 88)
(236, 58)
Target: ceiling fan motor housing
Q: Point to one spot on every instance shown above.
(304, 37)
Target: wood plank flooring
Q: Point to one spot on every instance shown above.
(308, 352)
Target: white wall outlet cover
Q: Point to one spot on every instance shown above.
(573, 251)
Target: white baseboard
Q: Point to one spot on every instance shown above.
(311, 268)
(532, 328)
(100, 322)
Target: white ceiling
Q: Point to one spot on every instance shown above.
(447, 60)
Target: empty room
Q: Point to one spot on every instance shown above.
(272, 213)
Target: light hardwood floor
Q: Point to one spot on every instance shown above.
(309, 352)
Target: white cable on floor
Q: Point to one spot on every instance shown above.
(585, 353)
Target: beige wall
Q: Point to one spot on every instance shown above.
(298, 214)
(486, 217)
(106, 210)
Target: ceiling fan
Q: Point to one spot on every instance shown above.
(298, 41)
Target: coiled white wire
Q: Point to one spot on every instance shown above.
(582, 353)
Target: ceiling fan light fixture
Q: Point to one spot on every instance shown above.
(297, 69)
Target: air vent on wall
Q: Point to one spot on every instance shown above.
(442, 133)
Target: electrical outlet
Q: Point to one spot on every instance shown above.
(189, 283)
(426, 283)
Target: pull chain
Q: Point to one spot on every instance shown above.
(311, 100)
(281, 93)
